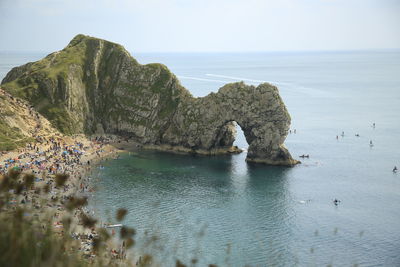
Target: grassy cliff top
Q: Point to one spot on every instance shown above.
(88, 71)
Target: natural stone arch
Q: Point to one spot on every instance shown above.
(259, 111)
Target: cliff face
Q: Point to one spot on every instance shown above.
(94, 86)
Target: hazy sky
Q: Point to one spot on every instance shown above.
(203, 25)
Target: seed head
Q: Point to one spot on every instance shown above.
(87, 221)
(130, 242)
(127, 232)
(121, 214)
(179, 264)
(28, 180)
(61, 179)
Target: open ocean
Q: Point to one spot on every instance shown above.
(224, 211)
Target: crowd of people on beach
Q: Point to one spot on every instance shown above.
(50, 156)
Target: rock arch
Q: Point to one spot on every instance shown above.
(208, 129)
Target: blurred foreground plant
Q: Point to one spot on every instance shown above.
(39, 227)
(27, 235)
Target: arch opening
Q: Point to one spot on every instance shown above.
(240, 139)
(231, 138)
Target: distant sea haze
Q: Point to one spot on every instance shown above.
(263, 215)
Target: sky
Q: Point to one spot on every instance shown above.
(203, 25)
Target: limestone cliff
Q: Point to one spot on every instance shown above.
(93, 86)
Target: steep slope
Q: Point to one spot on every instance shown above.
(19, 123)
(93, 86)
(90, 85)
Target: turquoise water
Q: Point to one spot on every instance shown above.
(225, 211)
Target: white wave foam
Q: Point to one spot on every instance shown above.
(236, 78)
(201, 79)
(248, 80)
(295, 88)
(291, 87)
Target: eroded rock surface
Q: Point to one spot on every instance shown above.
(94, 86)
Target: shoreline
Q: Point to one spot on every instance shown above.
(184, 150)
(75, 156)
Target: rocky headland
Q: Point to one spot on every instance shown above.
(95, 87)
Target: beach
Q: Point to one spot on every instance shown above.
(75, 157)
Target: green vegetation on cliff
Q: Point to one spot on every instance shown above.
(10, 138)
(91, 81)
(94, 86)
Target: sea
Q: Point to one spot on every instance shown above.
(222, 210)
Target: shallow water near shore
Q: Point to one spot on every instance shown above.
(222, 210)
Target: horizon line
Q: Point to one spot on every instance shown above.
(227, 52)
